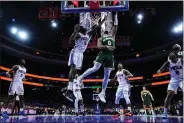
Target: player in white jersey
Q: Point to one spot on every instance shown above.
(175, 66)
(16, 86)
(78, 96)
(81, 37)
(176, 49)
(123, 90)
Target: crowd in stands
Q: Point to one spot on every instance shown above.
(175, 109)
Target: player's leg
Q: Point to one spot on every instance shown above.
(181, 85)
(89, 71)
(20, 92)
(151, 108)
(7, 102)
(73, 61)
(11, 93)
(172, 89)
(97, 64)
(167, 102)
(144, 107)
(69, 93)
(81, 104)
(119, 94)
(76, 107)
(126, 93)
(76, 102)
(14, 107)
(71, 76)
(108, 66)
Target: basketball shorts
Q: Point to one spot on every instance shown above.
(123, 92)
(77, 94)
(17, 88)
(147, 102)
(105, 61)
(175, 84)
(76, 58)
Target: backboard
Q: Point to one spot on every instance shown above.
(76, 6)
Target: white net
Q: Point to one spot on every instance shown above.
(88, 20)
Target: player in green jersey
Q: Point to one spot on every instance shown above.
(106, 44)
(147, 98)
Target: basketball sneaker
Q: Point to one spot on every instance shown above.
(69, 95)
(127, 113)
(164, 116)
(116, 115)
(102, 97)
(5, 114)
(22, 113)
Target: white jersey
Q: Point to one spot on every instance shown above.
(176, 69)
(82, 43)
(19, 75)
(122, 79)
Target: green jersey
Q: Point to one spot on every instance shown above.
(105, 56)
(146, 95)
(147, 98)
(109, 41)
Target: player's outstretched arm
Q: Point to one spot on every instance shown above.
(12, 70)
(99, 44)
(127, 73)
(75, 35)
(95, 27)
(151, 96)
(142, 95)
(115, 27)
(115, 78)
(164, 67)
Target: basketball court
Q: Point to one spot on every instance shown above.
(93, 119)
(90, 13)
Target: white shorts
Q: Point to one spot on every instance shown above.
(76, 58)
(175, 84)
(123, 92)
(77, 94)
(17, 88)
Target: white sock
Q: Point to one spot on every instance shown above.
(129, 108)
(165, 110)
(145, 112)
(70, 86)
(152, 112)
